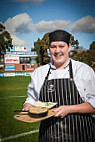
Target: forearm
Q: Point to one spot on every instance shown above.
(82, 108)
(71, 109)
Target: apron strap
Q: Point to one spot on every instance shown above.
(46, 78)
(70, 70)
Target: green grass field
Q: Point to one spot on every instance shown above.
(13, 92)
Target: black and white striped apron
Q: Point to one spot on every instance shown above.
(71, 128)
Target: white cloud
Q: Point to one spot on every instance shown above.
(85, 24)
(17, 41)
(44, 26)
(19, 24)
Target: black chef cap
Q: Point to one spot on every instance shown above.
(59, 35)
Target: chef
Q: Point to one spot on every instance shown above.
(71, 84)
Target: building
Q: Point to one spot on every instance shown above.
(20, 60)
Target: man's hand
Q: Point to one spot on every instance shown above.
(62, 111)
(26, 106)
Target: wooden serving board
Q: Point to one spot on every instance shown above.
(25, 117)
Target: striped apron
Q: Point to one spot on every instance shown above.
(71, 128)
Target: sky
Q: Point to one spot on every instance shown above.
(28, 20)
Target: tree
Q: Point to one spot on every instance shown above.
(38, 48)
(75, 45)
(41, 47)
(74, 42)
(86, 56)
(5, 40)
(92, 46)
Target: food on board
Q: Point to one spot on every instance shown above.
(43, 104)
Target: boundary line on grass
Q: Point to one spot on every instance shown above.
(19, 135)
(12, 97)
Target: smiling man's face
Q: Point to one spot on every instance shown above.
(59, 53)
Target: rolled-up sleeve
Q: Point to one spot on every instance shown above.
(90, 87)
(85, 82)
